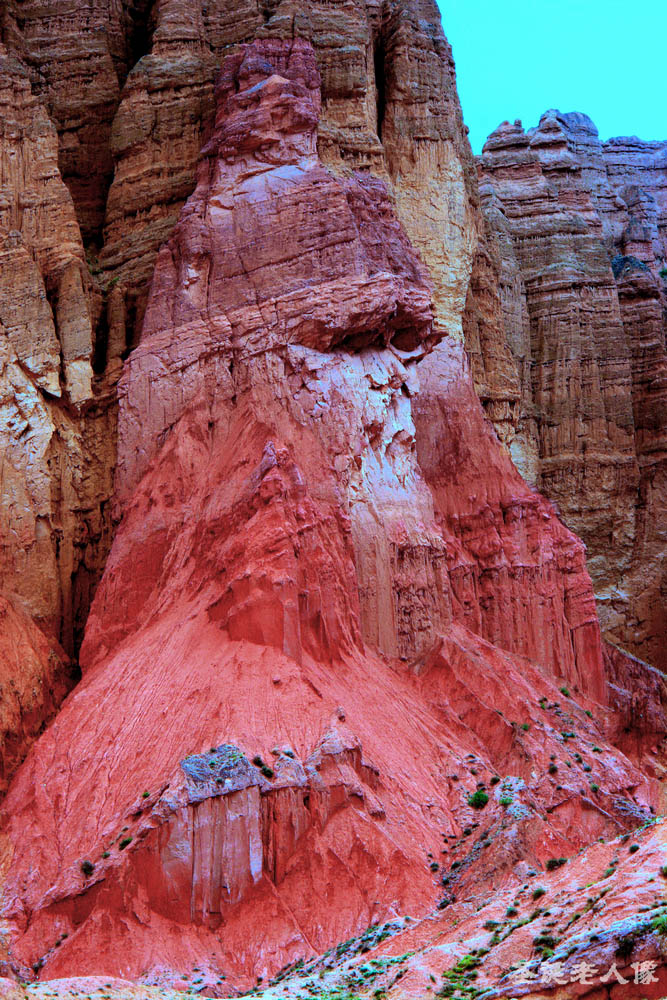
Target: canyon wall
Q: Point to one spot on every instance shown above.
(105, 109)
(322, 621)
(580, 235)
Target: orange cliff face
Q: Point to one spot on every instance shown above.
(332, 612)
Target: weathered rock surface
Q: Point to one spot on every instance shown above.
(332, 612)
(580, 233)
(518, 577)
(129, 89)
(56, 434)
(56, 425)
(334, 618)
(389, 105)
(35, 676)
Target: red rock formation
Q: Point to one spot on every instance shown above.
(57, 438)
(149, 125)
(35, 676)
(333, 612)
(518, 576)
(593, 338)
(596, 912)
(301, 574)
(56, 431)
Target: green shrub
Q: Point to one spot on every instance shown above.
(478, 799)
(538, 892)
(564, 691)
(594, 787)
(554, 863)
(145, 795)
(506, 800)
(663, 871)
(626, 945)
(495, 779)
(258, 761)
(525, 727)
(511, 911)
(87, 867)
(267, 771)
(633, 848)
(125, 842)
(553, 769)
(106, 854)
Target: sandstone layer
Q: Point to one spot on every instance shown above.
(309, 649)
(105, 108)
(35, 677)
(343, 678)
(57, 433)
(580, 240)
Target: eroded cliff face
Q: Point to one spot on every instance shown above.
(337, 632)
(580, 235)
(332, 611)
(106, 108)
(36, 676)
(56, 427)
(129, 87)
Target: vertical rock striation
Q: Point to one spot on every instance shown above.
(56, 436)
(325, 555)
(580, 232)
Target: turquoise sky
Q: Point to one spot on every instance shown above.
(516, 59)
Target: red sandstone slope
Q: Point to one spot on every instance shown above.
(35, 676)
(304, 576)
(127, 87)
(353, 825)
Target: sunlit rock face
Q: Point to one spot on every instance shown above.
(580, 235)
